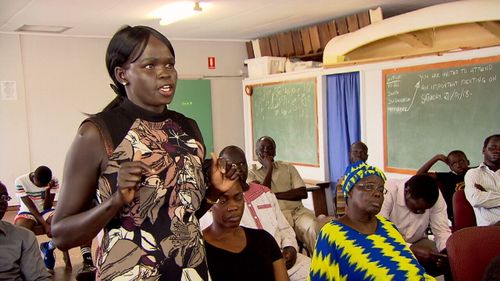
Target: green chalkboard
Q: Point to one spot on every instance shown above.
(437, 108)
(287, 112)
(193, 99)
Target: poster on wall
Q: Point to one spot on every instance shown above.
(8, 90)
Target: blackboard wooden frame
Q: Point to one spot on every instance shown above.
(255, 88)
(388, 166)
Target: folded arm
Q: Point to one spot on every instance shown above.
(478, 194)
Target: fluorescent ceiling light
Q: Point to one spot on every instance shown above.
(177, 11)
(43, 28)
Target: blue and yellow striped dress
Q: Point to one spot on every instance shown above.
(343, 253)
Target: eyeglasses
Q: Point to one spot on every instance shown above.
(371, 187)
(5, 198)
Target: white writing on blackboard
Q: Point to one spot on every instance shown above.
(456, 107)
(287, 111)
(444, 85)
(437, 86)
(403, 100)
(447, 96)
(282, 101)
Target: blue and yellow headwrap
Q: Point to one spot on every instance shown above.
(357, 171)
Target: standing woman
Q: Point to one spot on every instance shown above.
(362, 245)
(143, 165)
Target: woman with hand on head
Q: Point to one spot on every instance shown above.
(143, 164)
(239, 253)
(362, 245)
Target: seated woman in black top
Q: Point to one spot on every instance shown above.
(239, 253)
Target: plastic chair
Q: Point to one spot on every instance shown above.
(463, 213)
(470, 251)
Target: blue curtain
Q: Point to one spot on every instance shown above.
(343, 120)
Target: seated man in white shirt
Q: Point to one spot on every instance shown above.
(262, 211)
(482, 184)
(413, 206)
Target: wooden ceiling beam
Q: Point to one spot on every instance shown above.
(418, 39)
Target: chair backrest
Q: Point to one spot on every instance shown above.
(339, 200)
(463, 213)
(470, 251)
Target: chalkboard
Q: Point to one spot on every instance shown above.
(437, 108)
(287, 112)
(193, 99)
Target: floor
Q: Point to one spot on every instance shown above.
(60, 273)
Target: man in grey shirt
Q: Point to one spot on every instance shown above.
(20, 258)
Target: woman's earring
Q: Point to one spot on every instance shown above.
(125, 83)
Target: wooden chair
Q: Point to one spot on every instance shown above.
(470, 251)
(463, 213)
(317, 190)
(39, 230)
(339, 200)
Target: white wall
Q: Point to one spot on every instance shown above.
(14, 144)
(64, 78)
(192, 62)
(61, 78)
(227, 117)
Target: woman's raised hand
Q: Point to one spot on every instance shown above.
(223, 179)
(129, 177)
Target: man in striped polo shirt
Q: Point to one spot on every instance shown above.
(36, 192)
